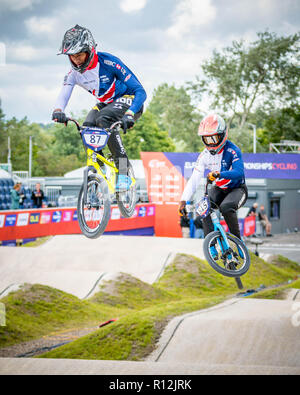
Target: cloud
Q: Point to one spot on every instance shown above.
(190, 14)
(38, 89)
(37, 25)
(129, 6)
(162, 41)
(17, 5)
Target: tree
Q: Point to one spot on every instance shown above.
(147, 136)
(282, 124)
(175, 113)
(241, 77)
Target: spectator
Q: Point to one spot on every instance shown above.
(22, 196)
(252, 210)
(15, 196)
(37, 196)
(199, 233)
(265, 223)
(185, 226)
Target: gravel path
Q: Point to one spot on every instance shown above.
(46, 343)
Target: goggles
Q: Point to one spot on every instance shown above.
(212, 140)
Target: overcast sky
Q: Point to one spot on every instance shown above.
(160, 40)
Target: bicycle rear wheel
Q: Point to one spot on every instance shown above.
(94, 214)
(231, 263)
(127, 200)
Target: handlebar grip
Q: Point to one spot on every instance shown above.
(116, 125)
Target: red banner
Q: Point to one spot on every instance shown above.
(22, 224)
(165, 186)
(249, 225)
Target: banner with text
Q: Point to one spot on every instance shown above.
(22, 224)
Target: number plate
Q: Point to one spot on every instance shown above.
(95, 139)
(203, 207)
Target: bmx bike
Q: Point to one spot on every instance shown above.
(99, 182)
(225, 253)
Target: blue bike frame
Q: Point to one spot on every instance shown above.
(206, 210)
(219, 227)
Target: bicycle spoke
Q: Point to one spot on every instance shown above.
(94, 214)
(230, 260)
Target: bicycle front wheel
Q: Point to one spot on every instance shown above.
(94, 214)
(231, 263)
(127, 200)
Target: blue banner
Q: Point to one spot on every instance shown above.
(280, 166)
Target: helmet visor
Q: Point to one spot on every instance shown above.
(212, 141)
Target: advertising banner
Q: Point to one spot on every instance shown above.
(167, 173)
(280, 166)
(26, 224)
(161, 167)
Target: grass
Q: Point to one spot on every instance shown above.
(37, 310)
(143, 310)
(38, 242)
(279, 293)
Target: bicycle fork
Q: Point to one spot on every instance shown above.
(85, 181)
(223, 243)
(226, 247)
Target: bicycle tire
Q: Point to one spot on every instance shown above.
(85, 229)
(127, 211)
(209, 241)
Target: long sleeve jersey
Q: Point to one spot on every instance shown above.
(107, 79)
(228, 162)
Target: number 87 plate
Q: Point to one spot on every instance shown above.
(95, 139)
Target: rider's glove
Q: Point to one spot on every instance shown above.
(213, 175)
(127, 120)
(181, 209)
(59, 116)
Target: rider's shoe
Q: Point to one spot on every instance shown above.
(214, 253)
(123, 183)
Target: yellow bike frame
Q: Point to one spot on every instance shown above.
(92, 157)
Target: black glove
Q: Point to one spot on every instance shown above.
(182, 209)
(59, 116)
(127, 122)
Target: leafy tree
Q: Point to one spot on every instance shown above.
(281, 124)
(66, 140)
(284, 124)
(241, 77)
(146, 136)
(175, 113)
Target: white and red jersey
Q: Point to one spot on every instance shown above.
(107, 79)
(228, 162)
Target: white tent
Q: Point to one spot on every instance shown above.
(77, 173)
(4, 174)
(137, 164)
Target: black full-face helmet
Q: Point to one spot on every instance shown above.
(79, 39)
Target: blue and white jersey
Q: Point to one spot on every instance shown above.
(107, 79)
(228, 162)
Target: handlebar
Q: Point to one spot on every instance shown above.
(116, 125)
(206, 186)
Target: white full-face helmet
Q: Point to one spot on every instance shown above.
(214, 133)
